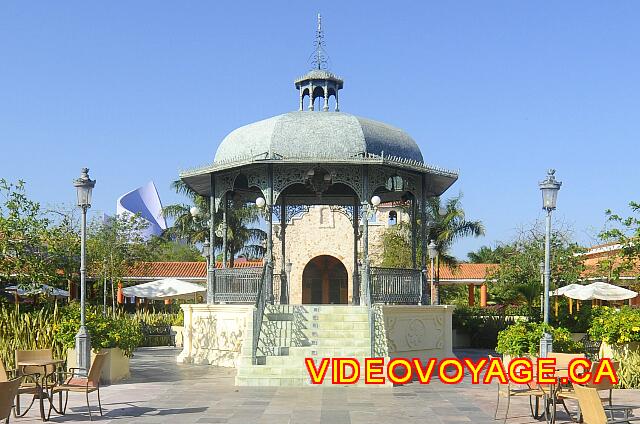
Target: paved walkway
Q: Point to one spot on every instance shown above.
(161, 391)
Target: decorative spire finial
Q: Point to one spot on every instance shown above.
(319, 57)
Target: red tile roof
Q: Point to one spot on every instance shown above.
(466, 272)
(179, 269)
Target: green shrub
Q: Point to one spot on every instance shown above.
(615, 326)
(107, 331)
(524, 338)
(577, 322)
(482, 325)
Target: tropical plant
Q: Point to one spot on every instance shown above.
(518, 276)
(490, 255)
(524, 338)
(243, 235)
(615, 326)
(29, 330)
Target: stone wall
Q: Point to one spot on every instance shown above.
(213, 334)
(326, 231)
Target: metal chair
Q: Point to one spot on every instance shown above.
(34, 382)
(8, 392)
(593, 412)
(80, 384)
(508, 390)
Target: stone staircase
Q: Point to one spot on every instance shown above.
(291, 333)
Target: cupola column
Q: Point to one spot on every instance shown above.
(311, 99)
(326, 98)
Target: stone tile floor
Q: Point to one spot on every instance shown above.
(161, 391)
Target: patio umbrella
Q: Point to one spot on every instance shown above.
(602, 291)
(167, 288)
(560, 291)
(41, 289)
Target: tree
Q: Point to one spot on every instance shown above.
(243, 237)
(626, 232)
(489, 255)
(446, 224)
(24, 256)
(63, 241)
(163, 250)
(114, 245)
(518, 277)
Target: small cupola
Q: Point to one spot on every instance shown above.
(319, 82)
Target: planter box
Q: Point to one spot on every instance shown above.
(576, 337)
(610, 351)
(177, 333)
(116, 367)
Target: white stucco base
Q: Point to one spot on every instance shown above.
(418, 331)
(213, 334)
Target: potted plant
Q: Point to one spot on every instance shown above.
(118, 336)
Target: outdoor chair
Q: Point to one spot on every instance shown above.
(81, 384)
(8, 392)
(34, 382)
(604, 385)
(591, 347)
(510, 390)
(593, 412)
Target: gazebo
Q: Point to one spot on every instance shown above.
(315, 156)
(290, 161)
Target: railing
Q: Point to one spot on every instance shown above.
(238, 285)
(395, 285)
(261, 302)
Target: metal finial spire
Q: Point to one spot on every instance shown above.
(319, 56)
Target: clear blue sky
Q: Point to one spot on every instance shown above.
(501, 90)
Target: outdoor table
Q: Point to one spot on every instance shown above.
(44, 363)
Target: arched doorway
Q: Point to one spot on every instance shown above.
(324, 281)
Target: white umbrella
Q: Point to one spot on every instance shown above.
(167, 288)
(562, 290)
(602, 291)
(42, 288)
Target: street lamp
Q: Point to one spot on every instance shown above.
(433, 254)
(84, 186)
(542, 284)
(549, 188)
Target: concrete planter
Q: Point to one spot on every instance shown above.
(115, 369)
(576, 337)
(177, 333)
(613, 351)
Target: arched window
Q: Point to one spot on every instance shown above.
(393, 218)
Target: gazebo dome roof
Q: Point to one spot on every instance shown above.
(326, 135)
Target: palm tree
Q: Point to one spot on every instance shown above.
(242, 237)
(447, 224)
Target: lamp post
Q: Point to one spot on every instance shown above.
(287, 271)
(549, 188)
(542, 284)
(433, 253)
(84, 186)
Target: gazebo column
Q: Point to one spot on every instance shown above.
(269, 256)
(211, 275)
(423, 239)
(472, 295)
(284, 292)
(225, 204)
(365, 238)
(483, 295)
(414, 233)
(355, 294)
